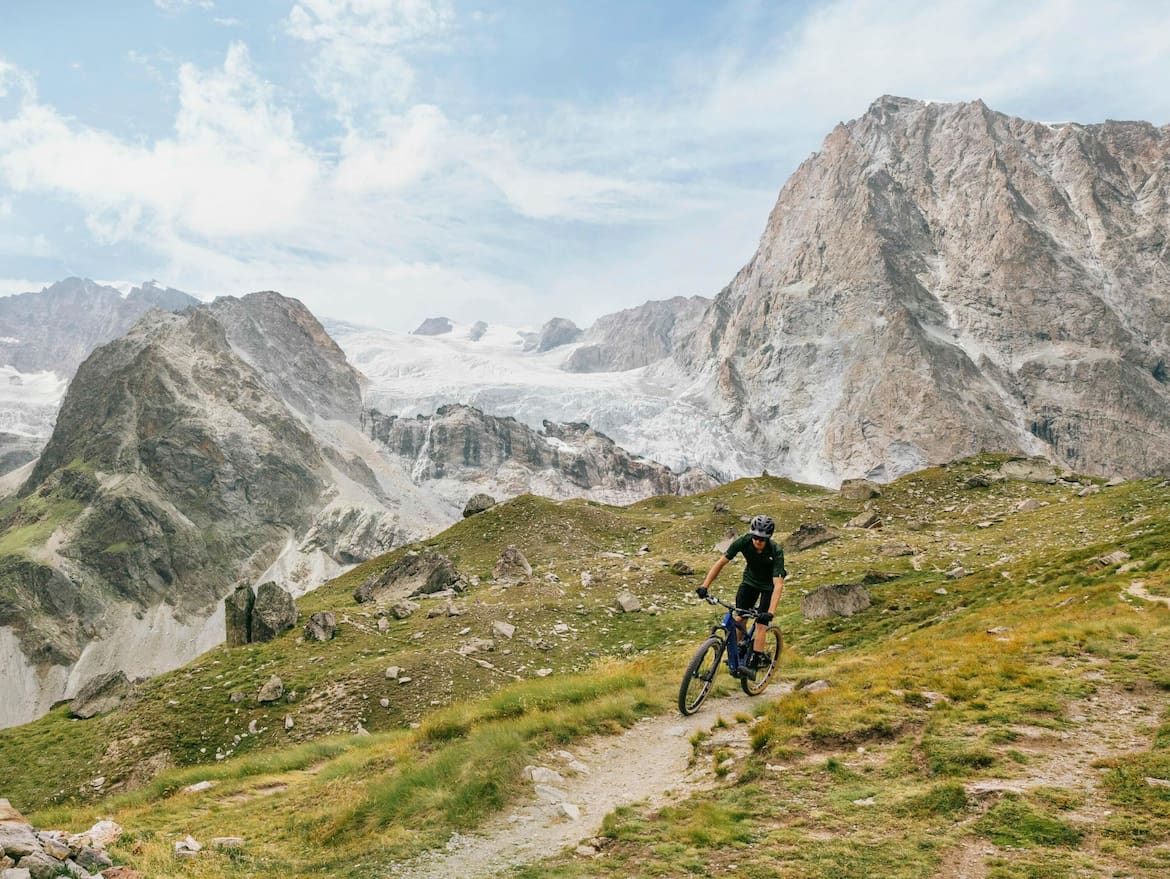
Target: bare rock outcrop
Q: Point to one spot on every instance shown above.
(100, 694)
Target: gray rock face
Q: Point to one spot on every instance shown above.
(637, 336)
(941, 279)
(462, 443)
(100, 694)
(297, 360)
(434, 326)
(556, 332)
(842, 600)
(273, 613)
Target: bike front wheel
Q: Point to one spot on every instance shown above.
(700, 675)
(773, 646)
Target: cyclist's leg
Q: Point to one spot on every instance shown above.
(765, 602)
(745, 597)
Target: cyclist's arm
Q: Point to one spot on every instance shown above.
(714, 572)
(777, 592)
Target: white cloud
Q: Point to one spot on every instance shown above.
(360, 62)
(234, 166)
(401, 153)
(174, 6)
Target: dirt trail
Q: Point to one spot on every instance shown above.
(647, 763)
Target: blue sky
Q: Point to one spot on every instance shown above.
(388, 160)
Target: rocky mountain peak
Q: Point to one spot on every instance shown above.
(942, 278)
(280, 338)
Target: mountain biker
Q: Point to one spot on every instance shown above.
(762, 584)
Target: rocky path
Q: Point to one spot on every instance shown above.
(648, 763)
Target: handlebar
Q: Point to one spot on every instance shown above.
(749, 612)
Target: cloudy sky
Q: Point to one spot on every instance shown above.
(389, 160)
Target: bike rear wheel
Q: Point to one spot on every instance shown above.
(700, 675)
(773, 646)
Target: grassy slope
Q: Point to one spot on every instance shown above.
(372, 799)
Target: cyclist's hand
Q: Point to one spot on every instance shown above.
(701, 592)
(764, 618)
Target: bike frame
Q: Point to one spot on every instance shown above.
(731, 629)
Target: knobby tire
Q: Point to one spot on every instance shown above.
(700, 675)
(773, 646)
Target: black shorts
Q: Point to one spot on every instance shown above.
(748, 595)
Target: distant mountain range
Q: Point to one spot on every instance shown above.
(230, 443)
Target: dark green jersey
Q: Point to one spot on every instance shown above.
(762, 565)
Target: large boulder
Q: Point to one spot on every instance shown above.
(477, 503)
(841, 600)
(237, 614)
(99, 694)
(16, 834)
(512, 565)
(808, 535)
(416, 573)
(273, 612)
(859, 490)
(322, 626)
(1030, 470)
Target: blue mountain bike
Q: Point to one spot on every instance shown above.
(704, 665)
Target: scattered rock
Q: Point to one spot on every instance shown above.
(978, 480)
(512, 565)
(816, 687)
(894, 549)
(198, 786)
(1114, 558)
(99, 694)
(543, 775)
(957, 573)
(867, 519)
(402, 608)
(720, 507)
(271, 691)
(393, 672)
(227, 842)
(500, 629)
(569, 810)
(322, 626)
(1028, 505)
(682, 569)
(477, 503)
(627, 602)
(843, 599)
(288, 722)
